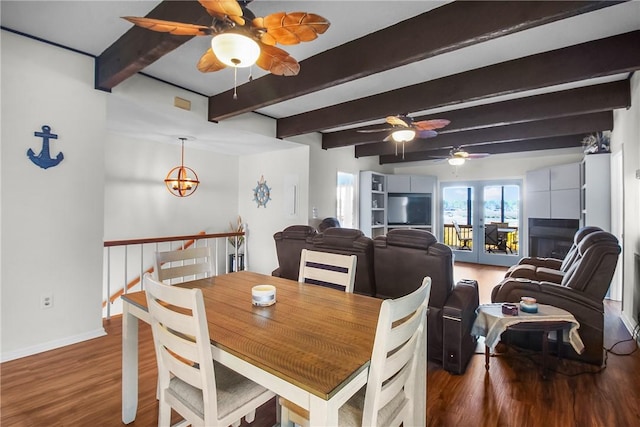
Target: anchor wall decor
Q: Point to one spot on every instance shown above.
(44, 159)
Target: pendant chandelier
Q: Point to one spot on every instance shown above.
(182, 181)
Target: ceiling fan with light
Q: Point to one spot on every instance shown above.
(240, 39)
(404, 129)
(458, 156)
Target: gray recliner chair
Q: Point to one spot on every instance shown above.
(550, 269)
(581, 292)
(402, 259)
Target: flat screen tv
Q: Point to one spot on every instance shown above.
(409, 209)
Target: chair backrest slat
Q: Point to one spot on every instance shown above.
(399, 339)
(181, 337)
(187, 264)
(328, 269)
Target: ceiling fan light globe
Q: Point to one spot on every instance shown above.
(403, 135)
(456, 161)
(235, 50)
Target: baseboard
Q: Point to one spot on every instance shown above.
(51, 345)
(630, 324)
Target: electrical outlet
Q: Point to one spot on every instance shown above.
(46, 301)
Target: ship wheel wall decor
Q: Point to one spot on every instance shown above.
(262, 193)
(230, 18)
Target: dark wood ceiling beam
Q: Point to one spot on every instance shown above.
(612, 55)
(140, 47)
(589, 99)
(551, 143)
(585, 123)
(415, 39)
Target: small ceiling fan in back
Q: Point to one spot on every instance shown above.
(404, 129)
(241, 39)
(458, 156)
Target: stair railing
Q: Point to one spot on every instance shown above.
(121, 257)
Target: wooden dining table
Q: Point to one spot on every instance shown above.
(312, 347)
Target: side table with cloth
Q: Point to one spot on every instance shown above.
(491, 323)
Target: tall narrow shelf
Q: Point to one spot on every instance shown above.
(373, 201)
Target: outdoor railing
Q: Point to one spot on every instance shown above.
(126, 261)
(451, 239)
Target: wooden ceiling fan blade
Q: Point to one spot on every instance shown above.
(291, 28)
(477, 155)
(424, 134)
(222, 9)
(277, 61)
(398, 121)
(175, 28)
(209, 62)
(431, 124)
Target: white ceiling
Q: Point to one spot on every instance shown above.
(92, 26)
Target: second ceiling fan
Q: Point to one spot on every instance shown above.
(404, 129)
(458, 156)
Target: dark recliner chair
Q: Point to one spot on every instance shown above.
(581, 292)
(289, 245)
(349, 241)
(550, 269)
(328, 223)
(402, 259)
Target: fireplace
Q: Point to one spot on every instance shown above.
(551, 238)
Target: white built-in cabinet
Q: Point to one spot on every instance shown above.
(554, 192)
(374, 188)
(595, 176)
(410, 184)
(373, 200)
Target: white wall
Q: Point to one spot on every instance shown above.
(137, 203)
(626, 137)
(52, 223)
(313, 168)
(109, 187)
(323, 171)
(281, 170)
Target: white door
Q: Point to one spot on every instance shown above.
(481, 221)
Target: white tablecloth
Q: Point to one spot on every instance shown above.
(491, 323)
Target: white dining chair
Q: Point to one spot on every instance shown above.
(391, 393)
(185, 264)
(203, 392)
(328, 269)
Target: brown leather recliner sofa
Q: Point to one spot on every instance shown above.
(403, 258)
(345, 241)
(289, 245)
(581, 292)
(349, 241)
(550, 269)
(392, 266)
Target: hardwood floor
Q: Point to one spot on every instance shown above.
(79, 385)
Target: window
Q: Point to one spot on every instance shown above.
(501, 204)
(346, 200)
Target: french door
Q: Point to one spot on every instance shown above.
(481, 220)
